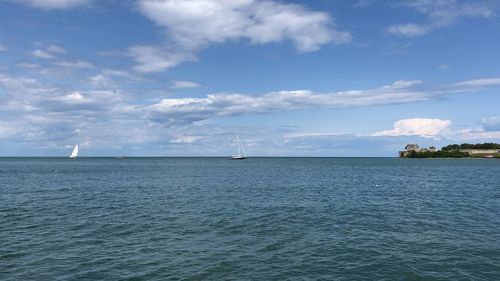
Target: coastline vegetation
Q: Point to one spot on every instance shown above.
(456, 151)
(486, 145)
(438, 154)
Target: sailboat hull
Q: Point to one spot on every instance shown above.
(237, 158)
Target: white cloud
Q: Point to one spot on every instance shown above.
(443, 66)
(446, 12)
(49, 52)
(29, 95)
(199, 22)
(475, 134)
(41, 115)
(192, 25)
(24, 87)
(155, 58)
(115, 72)
(75, 64)
(3, 48)
(188, 110)
(54, 4)
(52, 116)
(74, 97)
(183, 84)
(7, 129)
(96, 102)
(479, 83)
(491, 123)
(119, 74)
(56, 49)
(41, 54)
(101, 81)
(424, 127)
(408, 30)
(303, 135)
(442, 13)
(186, 139)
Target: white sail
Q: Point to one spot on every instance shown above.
(74, 153)
(241, 146)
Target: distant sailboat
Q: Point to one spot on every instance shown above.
(74, 153)
(239, 156)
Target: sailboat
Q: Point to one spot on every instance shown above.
(239, 156)
(74, 153)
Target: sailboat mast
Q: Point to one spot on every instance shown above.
(243, 149)
(238, 141)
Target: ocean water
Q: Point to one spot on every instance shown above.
(259, 219)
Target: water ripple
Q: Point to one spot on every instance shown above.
(260, 219)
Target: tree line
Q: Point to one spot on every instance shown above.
(486, 145)
(438, 154)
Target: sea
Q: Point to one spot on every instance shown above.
(256, 219)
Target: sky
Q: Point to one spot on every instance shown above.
(291, 78)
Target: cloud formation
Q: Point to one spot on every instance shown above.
(41, 54)
(79, 64)
(408, 29)
(478, 134)
(49, 52)
(186, 139)
(479, 83)
(54, 4)
(193, 25)
(184, 84)
(441, 14)
(424, 127)
(55, 116)
(188, 110)
(158, 58)
(491, 123)
(29, 95)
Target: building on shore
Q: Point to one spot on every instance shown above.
(413, 147)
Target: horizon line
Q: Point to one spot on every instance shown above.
(174, 156)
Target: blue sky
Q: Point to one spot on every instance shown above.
(291, 78)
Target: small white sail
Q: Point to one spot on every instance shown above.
(74, 153)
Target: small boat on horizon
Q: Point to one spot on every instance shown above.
(74, 154)
(239, 156)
